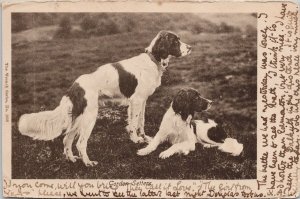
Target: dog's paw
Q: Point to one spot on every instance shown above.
(207, 145)
(147, 138)
(90, 163)
(72, 158)
(165, 154)
(143, 152)
(136, 139)
(128, 128)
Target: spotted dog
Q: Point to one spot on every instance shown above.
(176, 124)
(133, 79)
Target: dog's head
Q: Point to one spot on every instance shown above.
(217, 133)
(188, 101)
(167, 44)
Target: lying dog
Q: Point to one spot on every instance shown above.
(175, 126)
(178, 128)
(212, 134)
(134, 79)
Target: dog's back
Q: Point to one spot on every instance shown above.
(209, 133)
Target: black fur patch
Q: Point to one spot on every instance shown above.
(187, 102)
(127, 81)
(76, 95)
(217, 134)
(167, 44)
(194, 126)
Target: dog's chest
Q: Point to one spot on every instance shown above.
(151, 81)
(148, 81)
(146, 72)
(181, 132)
(177, 137)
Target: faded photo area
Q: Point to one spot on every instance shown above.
(51, 50)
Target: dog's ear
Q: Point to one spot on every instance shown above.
(182, 105)
(149, 49)
(161, 48)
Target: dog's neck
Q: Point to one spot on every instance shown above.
(188, 120)
(161, 64)
(194, 126)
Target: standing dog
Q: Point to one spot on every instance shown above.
(134, 79)
(176, 124)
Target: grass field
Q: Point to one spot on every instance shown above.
(222, 67)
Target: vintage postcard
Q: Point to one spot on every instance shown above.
(160, 99)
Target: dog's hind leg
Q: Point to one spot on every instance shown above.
(85, 132)
(68, 141)
(85, 128)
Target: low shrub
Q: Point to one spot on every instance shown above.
(88, 23)
(65, 28)
(225, 28)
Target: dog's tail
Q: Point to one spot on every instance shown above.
(47, 125)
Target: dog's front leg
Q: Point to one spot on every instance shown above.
(208, 145)
(136, 110)
(141, 125)
(142, 119)
(130, 116)
(153, 144)
(183, 147)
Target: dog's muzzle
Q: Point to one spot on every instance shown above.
(209, 104)
(185, 49)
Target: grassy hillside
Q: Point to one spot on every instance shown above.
(44, 26)
(222, 67)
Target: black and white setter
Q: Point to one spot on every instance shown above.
(133, 79)
(176, 124)
(178, 128)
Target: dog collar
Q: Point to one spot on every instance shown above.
(158, 64)
(153, 58)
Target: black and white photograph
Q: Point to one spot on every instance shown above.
(134, 95)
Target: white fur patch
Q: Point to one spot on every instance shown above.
(231, 146)
(174, 130)
(47, 125)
